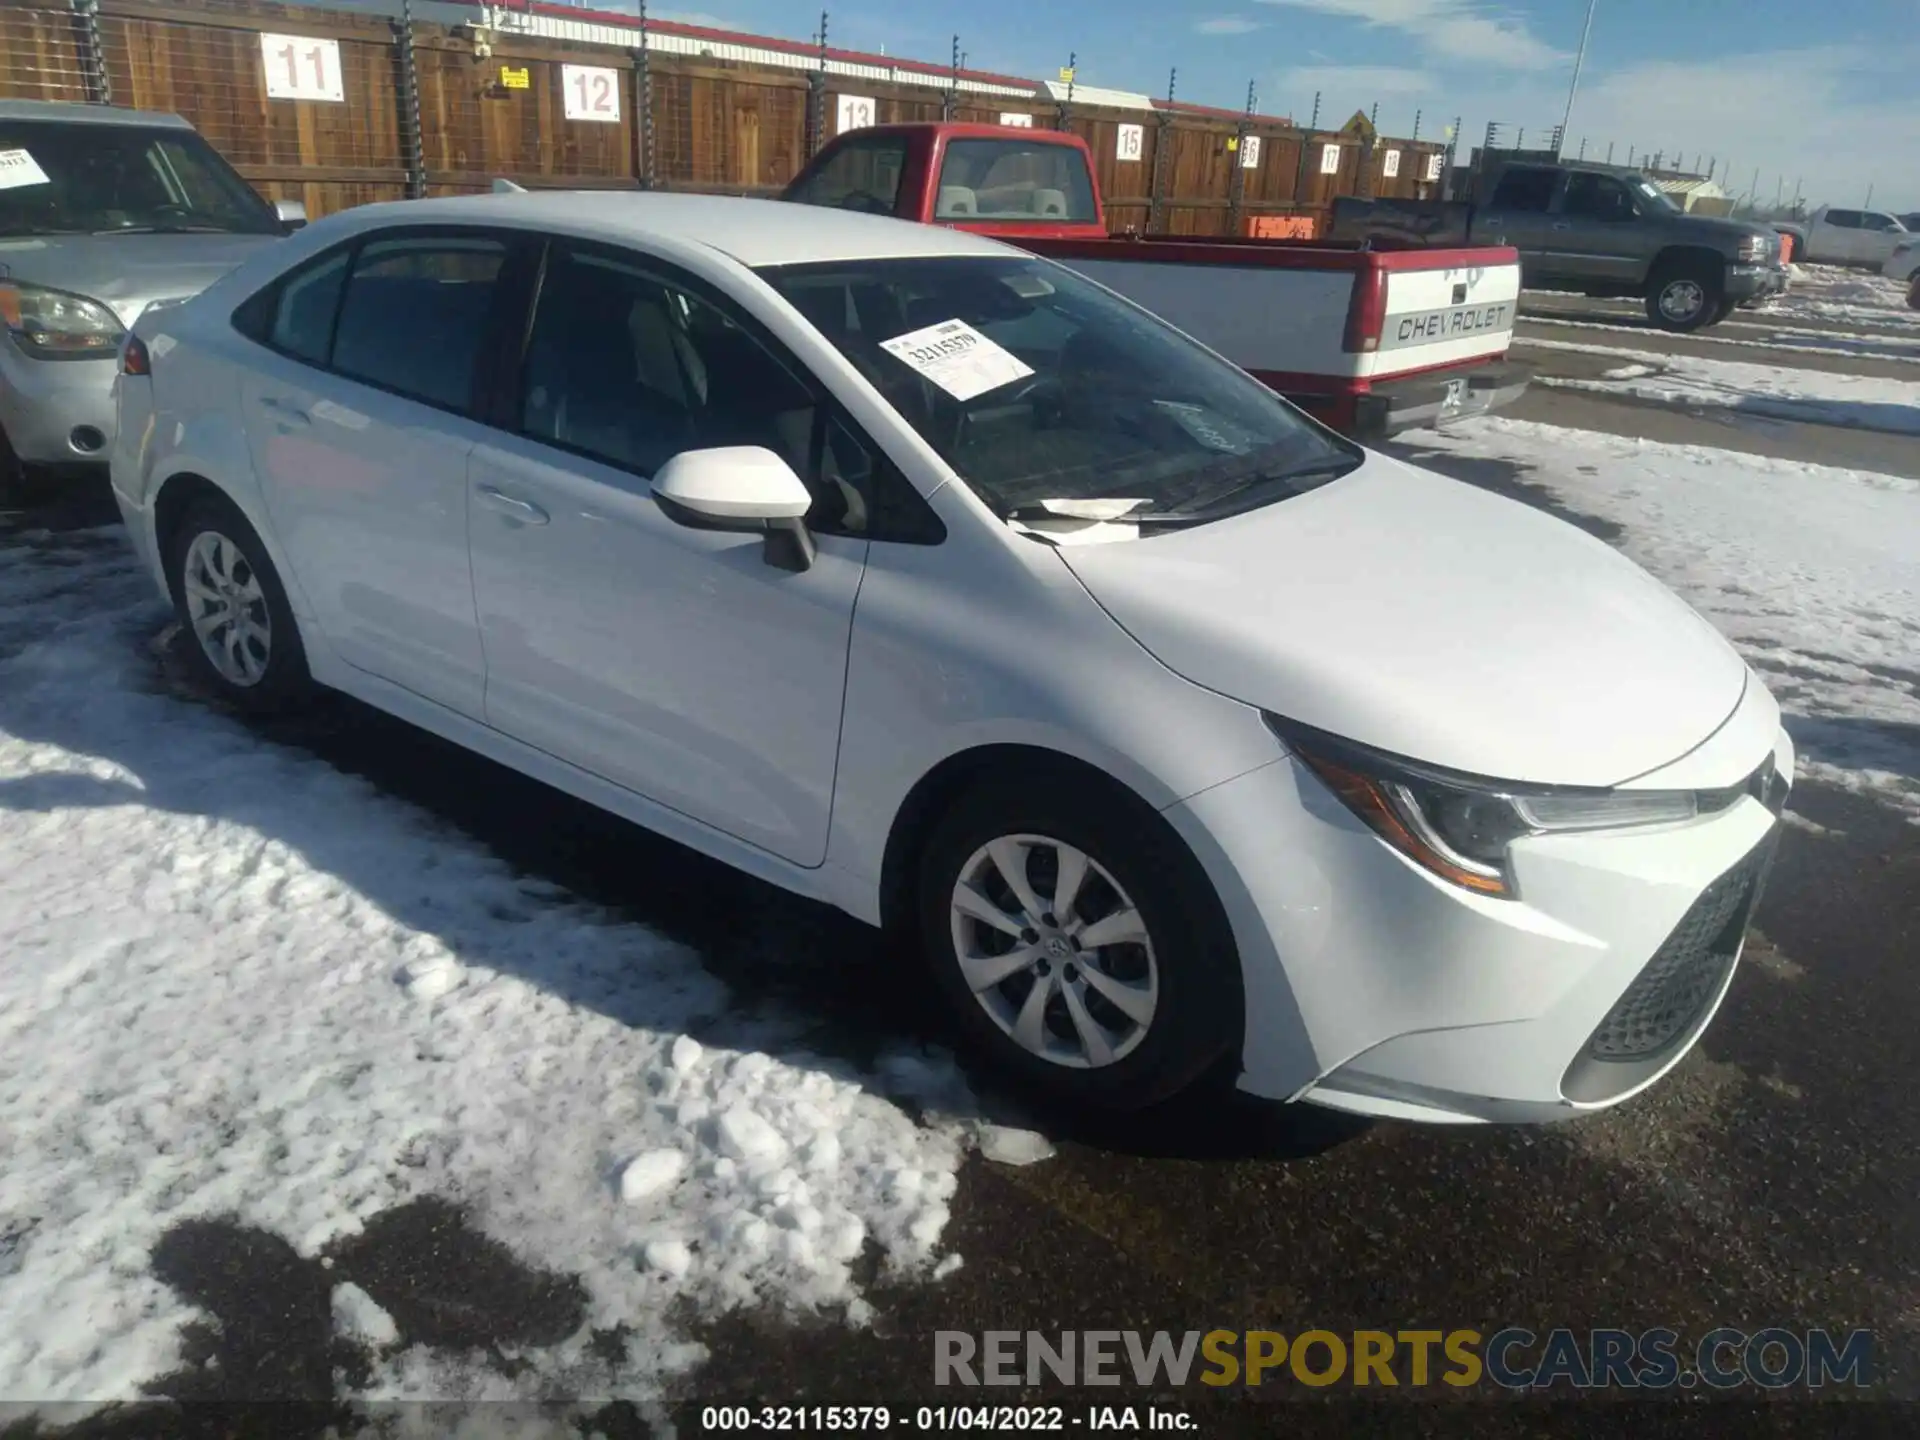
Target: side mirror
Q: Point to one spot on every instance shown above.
(742, 488)
(291, 214)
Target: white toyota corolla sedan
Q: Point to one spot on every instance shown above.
(910, 572)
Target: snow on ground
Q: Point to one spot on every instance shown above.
(1866, 345)
(1831, 292)
(1863, 402)
(213, 1003)
(1813, 572)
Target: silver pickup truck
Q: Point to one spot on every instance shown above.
(1597, 230)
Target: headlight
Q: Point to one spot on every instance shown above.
(1461, 827)
(53, 325)
(1754, 247)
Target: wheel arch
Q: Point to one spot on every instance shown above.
(1673, 257)
(930, 796)
(175, 493)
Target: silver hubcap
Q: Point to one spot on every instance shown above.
(227, 609)
(1682, 299)
(1054, 951)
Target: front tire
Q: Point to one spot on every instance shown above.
(1913, 292)
(1079, 943)
(1684, 296)
(237, 628)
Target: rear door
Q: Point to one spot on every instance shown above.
(358, 412)
(1833, 238)
(1517, 214)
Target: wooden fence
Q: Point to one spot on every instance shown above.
(667, 120)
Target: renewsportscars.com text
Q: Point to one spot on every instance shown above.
(1514, 1358)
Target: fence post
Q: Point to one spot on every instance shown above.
(1063, 117)
(93, 55)
(950, 103)
(1237, 178)
(817, 97)
(411, 145)
(1306, 152)
(643, 141)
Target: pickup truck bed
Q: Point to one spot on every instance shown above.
(1369, 340)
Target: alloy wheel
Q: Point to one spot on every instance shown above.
(1055, 951)
(1682, 299)
(227, 609)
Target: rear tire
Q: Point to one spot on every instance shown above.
(15, 493)
(1122, 999)
(1913, 292)
(237, 629)
(1684, 295)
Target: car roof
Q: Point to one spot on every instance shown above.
(72, 112)
(757, 233)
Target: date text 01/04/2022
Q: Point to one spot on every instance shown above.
(991, 1419)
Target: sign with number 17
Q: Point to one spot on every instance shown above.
(300, 67)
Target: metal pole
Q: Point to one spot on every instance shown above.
(1867, 206)
(1416, 124)
(411, 141)
(953, 84)
(1579, 61)
(1609, 152)
(643, 102)
(93, 58)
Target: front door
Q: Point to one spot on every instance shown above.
(672, 661)
(354, 413)
(1594, 231)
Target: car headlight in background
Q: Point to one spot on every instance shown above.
(1461, 827)
(53, 325)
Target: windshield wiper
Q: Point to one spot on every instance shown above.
(1214, 507)
(1044, 510)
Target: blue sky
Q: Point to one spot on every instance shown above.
(1816, 90)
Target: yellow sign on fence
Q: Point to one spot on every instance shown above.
(513, 79)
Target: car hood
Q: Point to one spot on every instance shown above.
(127, 272)
(1427, 618)
(1705, 225)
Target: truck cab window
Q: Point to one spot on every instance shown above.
(1597, 197)
(1524, 188)
(863, 174)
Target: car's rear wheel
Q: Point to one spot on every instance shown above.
(237, 628)
(1079, 942)
(1684, 295)
(1913, 292)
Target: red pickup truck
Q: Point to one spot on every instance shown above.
(1370, 340)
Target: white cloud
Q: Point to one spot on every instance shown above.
(1452, 29)
(1809, 113)
(1357, 85)
(1227, 25)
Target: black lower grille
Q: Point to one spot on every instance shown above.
(1684, 974)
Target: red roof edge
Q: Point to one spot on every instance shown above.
(762, 42)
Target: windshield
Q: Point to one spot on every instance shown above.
(1038, 386)
(67, 179)
(1653, 195)
(1014, 180)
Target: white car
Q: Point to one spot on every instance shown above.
(1904, 265)
(916, 574)
(1853, 237)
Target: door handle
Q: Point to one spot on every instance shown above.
(525, 511)
(1563, 225)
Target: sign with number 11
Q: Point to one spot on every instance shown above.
(300, 67)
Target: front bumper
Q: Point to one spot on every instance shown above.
(1390, 406)
(1373, 987)
(1756, 282)
(56, 413)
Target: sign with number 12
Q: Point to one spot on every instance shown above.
(590, 92)
(301, 68)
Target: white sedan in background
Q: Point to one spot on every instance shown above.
(1904, 265)
(912, 573)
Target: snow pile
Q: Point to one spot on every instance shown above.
(1830, 292)
(1864, 402)
(237, 982)
(1813, 572)
(357, 1316)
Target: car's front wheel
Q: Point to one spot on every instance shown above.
(1685, 296)
(1079, 942)
(1913, 292)
(238, 629)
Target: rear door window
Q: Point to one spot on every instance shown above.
(1524, 189)
(1014, 180)
(1844, 219)
(1597, 197)
(304, 309)
(414, 316)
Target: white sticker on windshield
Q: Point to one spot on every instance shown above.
(1210, 430)
(18, 168)
(957, 358)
